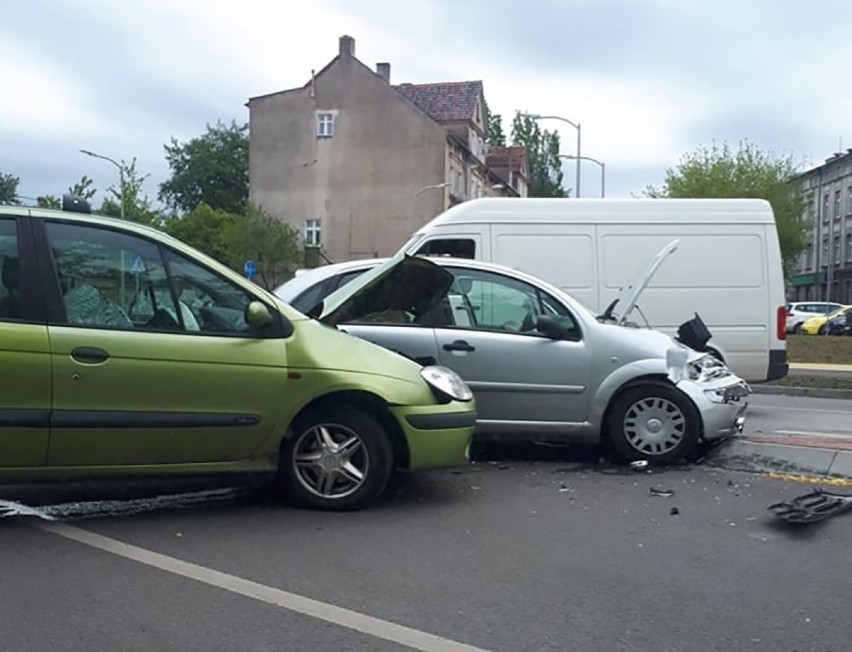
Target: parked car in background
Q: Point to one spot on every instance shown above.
(129, 355)
(841, 325)
(817, 325)
(799, 311)
(541, 365)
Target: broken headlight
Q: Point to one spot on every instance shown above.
(732, 394)
(706, 368)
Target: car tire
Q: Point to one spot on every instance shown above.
(654, 422)
(335, 460)
(822, 330)
(797, 329)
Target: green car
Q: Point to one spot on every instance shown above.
(127, 355)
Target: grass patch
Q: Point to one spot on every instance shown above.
(816, 382)
(819, 349)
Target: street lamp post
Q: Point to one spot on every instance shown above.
(437, 186)
(593, 160)
(576, 125)
(120, 173)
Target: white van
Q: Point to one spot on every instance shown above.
(727, 266)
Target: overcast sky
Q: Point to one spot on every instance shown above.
(648, 80)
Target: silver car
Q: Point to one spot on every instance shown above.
(540, 364)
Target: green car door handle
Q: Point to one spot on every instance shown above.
(89, 355)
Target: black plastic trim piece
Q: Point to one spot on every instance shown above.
(118, 419)
(778, 366)
(442, 421)
(15, 418)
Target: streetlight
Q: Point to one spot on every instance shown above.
(437, 186)
(576, 125)
(593, 160)
(120, 173)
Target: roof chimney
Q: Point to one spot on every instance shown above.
(383, 71)
(347, 46)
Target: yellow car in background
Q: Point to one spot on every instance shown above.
(816, 325)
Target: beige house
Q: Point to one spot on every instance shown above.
(357, 165)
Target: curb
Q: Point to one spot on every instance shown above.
(795, 390)
(739, 454)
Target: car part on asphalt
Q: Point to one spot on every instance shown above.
(662, 493)
(812, 507)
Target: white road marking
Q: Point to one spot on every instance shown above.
(359, 622)
(804, 433)
(763, 407)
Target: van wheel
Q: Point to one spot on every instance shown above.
(653, 422)
(339, 462)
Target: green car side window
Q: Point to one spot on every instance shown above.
(111, 279)
(218, 306)
(10, 291)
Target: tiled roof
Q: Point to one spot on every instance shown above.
(514, 157)
(444, 101)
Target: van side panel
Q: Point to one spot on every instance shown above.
(562, 254)
(717, 271)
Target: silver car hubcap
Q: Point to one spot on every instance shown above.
(654, 425)
(330, 461)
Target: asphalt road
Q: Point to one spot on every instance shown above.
(771, 414)
(544, 553)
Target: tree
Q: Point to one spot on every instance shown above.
(543, 162)
(83, 188)
(211, 169)
(205, 229)
(137, 206)
(48, 201)
(496, 137)
(9, 189)
(271, 244)
(747, 172)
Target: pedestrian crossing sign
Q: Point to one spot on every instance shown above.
(137, 265)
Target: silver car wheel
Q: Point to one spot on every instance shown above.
(654, 425)
(330, 461)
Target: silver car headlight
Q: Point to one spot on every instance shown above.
(447, 382)
(706, 368)
(732, 394)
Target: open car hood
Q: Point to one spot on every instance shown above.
(404, 284)
(619, 310)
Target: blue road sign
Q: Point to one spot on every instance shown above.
(137, 265)
(250, 269)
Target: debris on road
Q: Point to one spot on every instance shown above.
(812, 507)
(674, 511)
(663, 493)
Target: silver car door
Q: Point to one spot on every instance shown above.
(518, 376)
(415, 342)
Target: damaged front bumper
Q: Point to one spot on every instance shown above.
(720, 396)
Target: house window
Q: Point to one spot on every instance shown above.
(313, 233)
(824, 252)
(849, 247)
(836, 250)
(325, 125)
(825, 201)
(837, 205)
(849, 200)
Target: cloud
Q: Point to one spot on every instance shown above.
(647, 80)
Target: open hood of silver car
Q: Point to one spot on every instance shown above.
(403, 287)
(620, 309)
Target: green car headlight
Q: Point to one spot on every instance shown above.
(447, 382)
